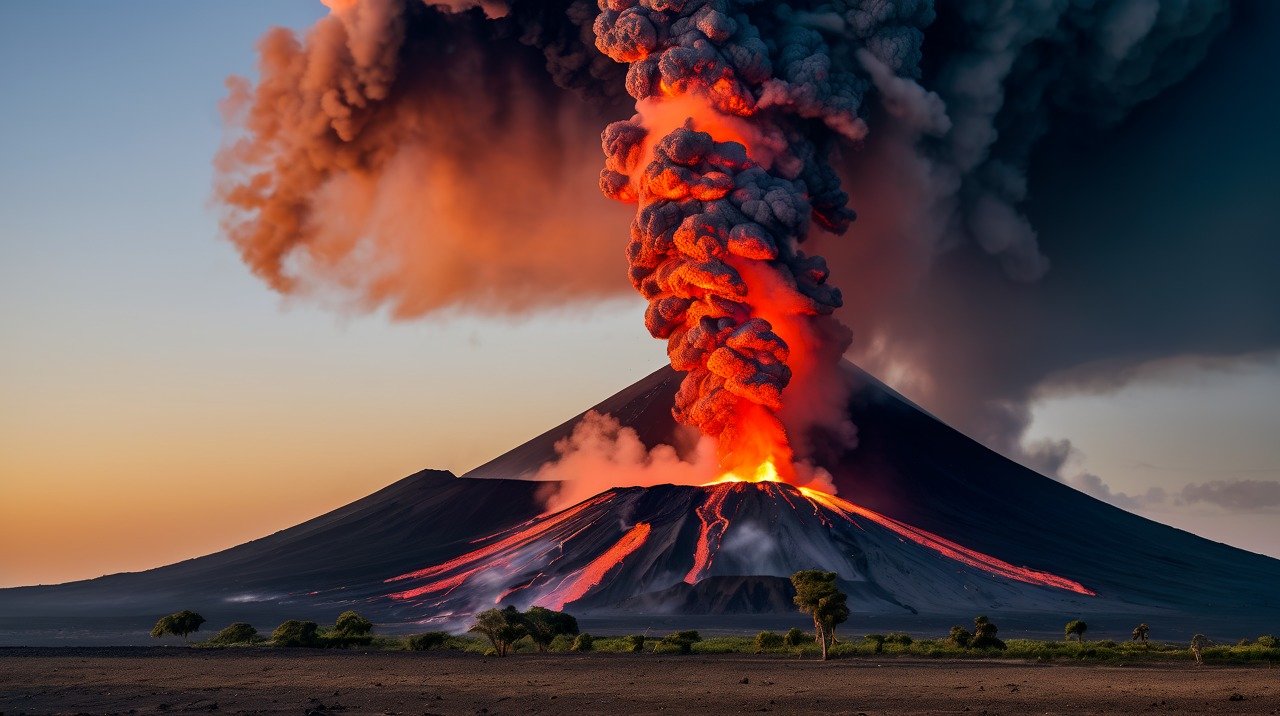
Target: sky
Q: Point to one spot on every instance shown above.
(157, 402)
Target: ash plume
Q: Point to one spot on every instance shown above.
(739, 105)
(422, 157)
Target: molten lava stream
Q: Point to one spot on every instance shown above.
(576, 585)
(711, 514)
(946, 547)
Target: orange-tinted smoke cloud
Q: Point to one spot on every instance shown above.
(414, 176)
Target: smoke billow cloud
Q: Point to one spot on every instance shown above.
(422, 157)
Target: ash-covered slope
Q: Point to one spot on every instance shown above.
(624, 549)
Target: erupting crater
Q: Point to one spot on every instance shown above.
(627, 542)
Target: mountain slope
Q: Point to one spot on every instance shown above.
(926, 521)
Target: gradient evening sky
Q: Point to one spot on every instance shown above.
(157, 402)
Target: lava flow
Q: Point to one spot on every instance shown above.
(627, 541)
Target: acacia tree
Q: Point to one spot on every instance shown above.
(178, 624)
(544, 625)
(818, 596)
(504, 627)
(1075, 628)
(1140, 633)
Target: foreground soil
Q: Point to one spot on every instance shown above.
(178, 680)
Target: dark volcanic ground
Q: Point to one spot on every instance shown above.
(177, 680)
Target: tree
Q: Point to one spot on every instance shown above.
(504, 627)
(296, 632)
(350, 623)
(544, 625)
(1140, 633)
(984, 635)
(238, 633)
(1075, 628)
(818, 596)
(178, 624)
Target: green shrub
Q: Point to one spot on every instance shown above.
(768, 641)
(1107, 644)
(427, 642)
(296, 633)
(583, 642)
(350, 623)
(637, 642)
(876, 641)
(959, 636)
(1267, 641)
(238, 633)
(795, 637)
(899, 638)
(544, 625)
(680, 642)
(561, 642)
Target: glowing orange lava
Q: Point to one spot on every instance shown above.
(944, 546)
(576, 585)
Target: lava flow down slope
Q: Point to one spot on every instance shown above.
(925, 523)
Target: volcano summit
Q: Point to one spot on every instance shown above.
(926, 526)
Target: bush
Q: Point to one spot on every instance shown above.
(238, 633)
(984, 635)
(876, 641)
(561, 642)
(178, 624)
(637, 643)
(296, 633)
(680, 642)
(959, 636)
(768, 641)
(1267, 641)
(351, 624)
(1107, 644)
(427, 642)
(544, 625)
(899, 638)
(795, 637)
(583, 642)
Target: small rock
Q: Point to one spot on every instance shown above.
(1236, 697)
(745, 680)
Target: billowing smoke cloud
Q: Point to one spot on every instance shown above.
(728, 161)
(419, 160)
(1239, 495)
(601, 453)
(415, 106)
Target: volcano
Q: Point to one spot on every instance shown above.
(925, 524)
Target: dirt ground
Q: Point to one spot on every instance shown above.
(178, 680)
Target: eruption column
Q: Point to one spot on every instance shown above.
(726, 189)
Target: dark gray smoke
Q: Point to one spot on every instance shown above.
(1037, 134)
